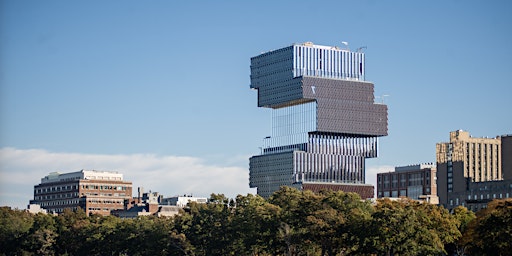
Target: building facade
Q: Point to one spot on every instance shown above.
(325, 122)
(417, 182)
(154, 204)
(466, 165)
(96, 192)
(478, 194)
(182, 201)
(506, 153)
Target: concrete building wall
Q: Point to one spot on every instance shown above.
(465, 162)
(506, 152)
(182, 201)
(478, 194)
(442, 182)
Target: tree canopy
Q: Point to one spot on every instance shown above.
(490, 233)
(290, 222)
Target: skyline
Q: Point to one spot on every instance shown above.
(160, 90)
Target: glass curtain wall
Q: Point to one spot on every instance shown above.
(291, 125)
(334, 158)
(328, 62)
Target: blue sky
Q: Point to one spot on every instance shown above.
(159, 90)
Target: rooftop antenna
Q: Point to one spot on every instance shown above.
(360, 49)
(381, 98)
(346, 45)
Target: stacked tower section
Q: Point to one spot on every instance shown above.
(325, 122)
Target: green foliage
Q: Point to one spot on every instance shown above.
(291, 222)
(296, 206)
(328, 223)
(464, 217)
(406, 227)
(14, 227)
(490, 233)
(208, 226)
(42, 236)
(254, 226)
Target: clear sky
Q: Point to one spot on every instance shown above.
(159, 90)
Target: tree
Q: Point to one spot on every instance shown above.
(354, 219)
(72, 232)
(491, 230)
(254, 225)
(406, 227)
(443, 228)
(394, 228)
(463, 217)
(208, 226)
(14, 226)
(325, 223)
(295, 205)
(42, 237)
(335, 225)
(103, 236)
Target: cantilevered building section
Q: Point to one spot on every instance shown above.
(325, 122)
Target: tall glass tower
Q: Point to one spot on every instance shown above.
(325, 122)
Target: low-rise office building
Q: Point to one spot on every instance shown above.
(417, 182)
(182, 201)
(147, 209)
(479, 194)
(154, 204)
(35, 209)
(96, 192)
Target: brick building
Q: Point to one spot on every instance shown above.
(96, 192)
(417, 182)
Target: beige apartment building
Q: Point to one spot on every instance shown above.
(96, 192)
(464, 162)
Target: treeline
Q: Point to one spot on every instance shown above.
(291, 222)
